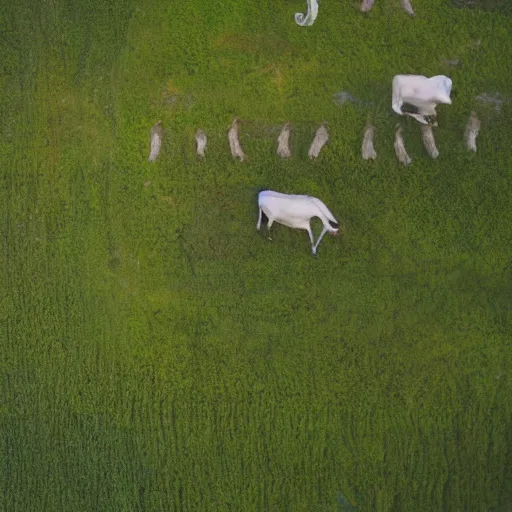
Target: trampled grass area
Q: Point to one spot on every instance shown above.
(158, 353)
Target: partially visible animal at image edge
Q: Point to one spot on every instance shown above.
(155, 135)
(283, 142)
(234, 142)
(321, 138)
(366, 6)
(306, 20)
(295, 211)
(407, 7)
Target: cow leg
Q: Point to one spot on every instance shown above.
(397, 102)
(310, 233)
(269, 225)
(418, 117)
(319, 239)
(258, 225)
(397, 107)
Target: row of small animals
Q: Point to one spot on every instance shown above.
(427, 136)
(321, 137)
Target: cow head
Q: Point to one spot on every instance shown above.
(333, 227)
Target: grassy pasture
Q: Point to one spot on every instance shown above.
(160, 354)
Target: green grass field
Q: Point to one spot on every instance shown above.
(159, 354)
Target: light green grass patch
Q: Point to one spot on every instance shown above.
(161, 354)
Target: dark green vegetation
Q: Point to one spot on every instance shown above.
(157, 353)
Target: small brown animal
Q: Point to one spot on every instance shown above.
(367, 150)
(234, 142)
(400, 151)
(156, 134)
(471, 133)
(201, 141)
(321, 138)
(283, 142)
(427, 136)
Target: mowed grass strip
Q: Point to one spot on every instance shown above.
(161, 354)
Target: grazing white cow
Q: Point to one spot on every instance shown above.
(422, 93)
(295, 211)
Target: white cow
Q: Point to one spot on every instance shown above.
(421, 92)
(295, 211)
